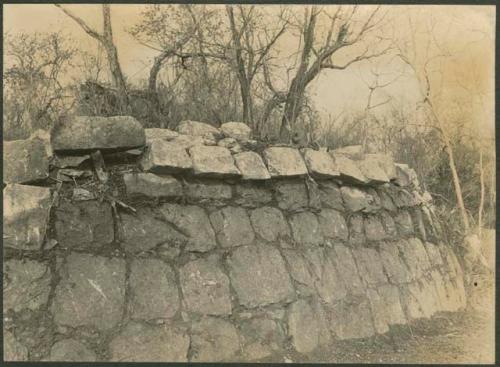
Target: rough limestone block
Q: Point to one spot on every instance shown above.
(433, 254)
(394, 266)
(348, 169)
(386, 162)
(330, 195)
(207, 192)
(348, 270)
(26, 285)
(418, 223)
(406, 176)
(374, 231)
(13, 350)
(213, 340)
(154, 293)
(162, 134)
(25, 161)
(25, 216)
(269, 223)
(252, 195)
(291, 196)
(196, 128)
(71, 350)
(445, 301)
(236, 130)
(333, 225)
(320, 164)
(374, 201)
(305, 228)
(91, 292)
(370, 266)
(355, 200)
(386, 201)
(260, 338)
(373, 172)
(142, 231)
(213, 161)
(165, 157)
(193, 222)
(231, 144)
(97, 132)
(351, 151)
(420, 254)
(284, 161)
(258, 275)
(84, 224)
(351, 320)
(188, 141)
(139, 342)
(386, 307)
(415, 257)
(410, 301)
(232, 226)
(205, 287)
(356, 230)
(389, 224)
(251, 166)
(404, 223)
(151, 185)
(299, 271)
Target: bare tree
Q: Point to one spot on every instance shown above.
(106, 39)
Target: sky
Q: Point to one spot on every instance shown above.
(333, 91)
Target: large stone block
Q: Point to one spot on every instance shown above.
(348, 270)
(139, 342)
(349, 170)
(415, 256)
(305, 229)
(355, 200)
(389, 224)
(299, 271)
(196, 128)
(333, 225)
(151, 185)
(251, 166)
(433, 254)
(386, 307)
(386, 201)
(193, 222)
(261, 338)
(25, 161)
(26, 285)
(25, 216)
(205, 287)
(91, 292)
(232, 226)
(165, 157)
(351, 320)
(84, 224)
(356, 230)
(404, 223)
(351, 151)
(386, 162)
(374, 230)
(71, 350)
(259, 276)
(213, 161)
(284, 161)
(291, 196)
(154, 293)
(252, 195)
(97, 132)
(330, 195)
(205, 191)
(162, 134)
(214, 340)
(320, 163)
(372, 170)
(370, 266)
(405, 176)
(394, 266)
(236, 130)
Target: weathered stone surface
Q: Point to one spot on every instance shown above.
(351, 151)
(374, 202)
(231, 144)
(143, 231)
(418, 223)
(305, 228)
(284, 161)
(394, 266)
(188, 141)
(165, 157)
(193, 222)
(97, 132)
(414, 256)
(26, 284)
(299, 271)
(404, 223)
(84, 224)
(291, 196)
(433, 254)
(351, 320)
(269, 223)
(452, 266)
(91, 292)
(250, 194)
(386, 162)
(25, 216)
(420, 254)
(386, 307)
(355, 200)
(348, 270)
(163, 134)
(204, 191)
(258, 275)
(410, 300)
(370, 266)
(232, 226)
(261, 337)
(154, 293)
(320, 164)
(356, 229)
(386, 201)
(236, 130)
(13, 350)
(205, 287)
(213, 161)
(71, 350)
(70, 160)
(374, 230)
(333, 225)
(348, 169)
(389, 224)
(373, 172)
(330, 195)
(251, 166)
(406, 176)
(196, 128)
(151, 185)
(24, 161)
(144, 343)
(213, 340)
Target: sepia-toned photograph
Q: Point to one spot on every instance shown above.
(270, 183)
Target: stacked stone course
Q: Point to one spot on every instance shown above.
(193, 251)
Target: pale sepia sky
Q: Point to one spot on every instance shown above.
(333, 91)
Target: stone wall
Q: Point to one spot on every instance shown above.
(205, 245)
